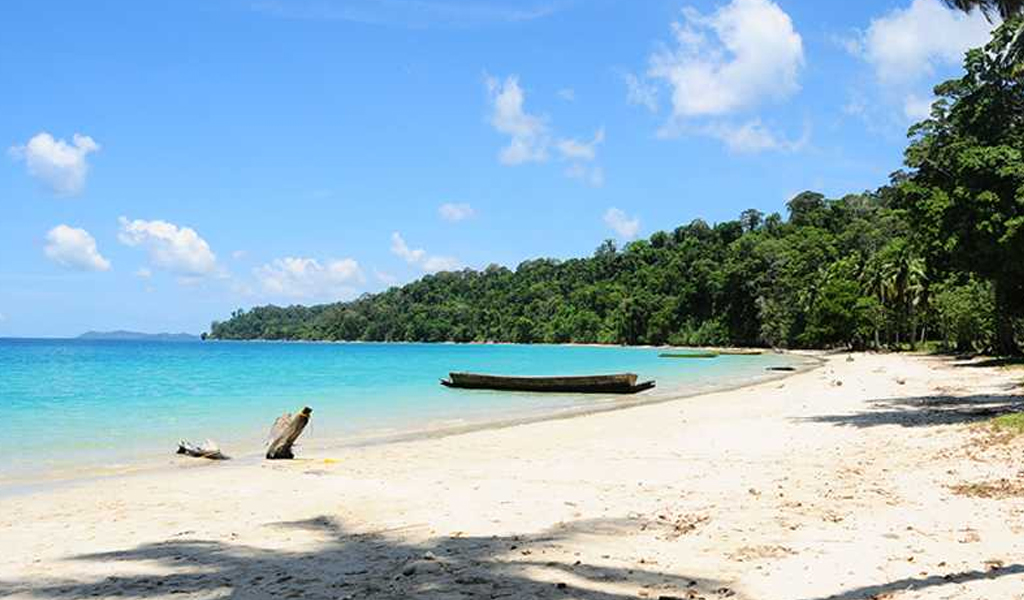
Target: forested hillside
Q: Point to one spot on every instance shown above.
(937, 254)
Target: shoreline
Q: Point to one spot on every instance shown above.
(862, 478)
(54, 480)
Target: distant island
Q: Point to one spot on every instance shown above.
(135, 336)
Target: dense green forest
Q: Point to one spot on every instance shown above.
(937, 254)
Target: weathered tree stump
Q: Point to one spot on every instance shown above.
(207, 449)
(287, 428)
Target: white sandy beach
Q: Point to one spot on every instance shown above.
(854, 480)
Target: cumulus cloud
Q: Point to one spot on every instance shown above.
(400, 249)
(143, 273)
(907, 47)
(176, 249)
(529, 133)
(753, 136)
(579, 154)
(567, 94)
(455, 212)
(624, 226)
(59, 165)
(419, 257)
(908, 44)
(531, 139)
(743, 54)
(74, 248)
(309, 278)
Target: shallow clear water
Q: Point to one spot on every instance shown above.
(70, 405)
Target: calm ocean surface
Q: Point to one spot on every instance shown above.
(70, 407)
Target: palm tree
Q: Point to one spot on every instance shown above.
(904, 276)
(1004, 8)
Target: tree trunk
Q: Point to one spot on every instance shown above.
(1006, 340)
(287, 428)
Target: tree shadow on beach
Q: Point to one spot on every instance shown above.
(1009, 361)
(374, 565)
(887, 590)
(354, 566)
(926, 411)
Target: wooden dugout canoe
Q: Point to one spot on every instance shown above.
(619, 383)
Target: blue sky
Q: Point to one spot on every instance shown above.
(167, 162)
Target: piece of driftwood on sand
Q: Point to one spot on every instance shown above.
(287, 428)
(619, 383)
(207, 449)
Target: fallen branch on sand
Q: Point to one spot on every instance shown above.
(287, 428)
(207, 449)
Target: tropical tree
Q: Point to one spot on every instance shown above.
(965, 193)
(1004, 8)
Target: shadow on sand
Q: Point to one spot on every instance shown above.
(365, 566)
(924, 411)
(357, 565)
(938, 409)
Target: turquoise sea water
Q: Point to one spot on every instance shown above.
(68, 406)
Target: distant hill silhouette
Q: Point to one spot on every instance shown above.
(136, 336)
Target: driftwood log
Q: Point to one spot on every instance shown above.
(207, 449)
(287, 428)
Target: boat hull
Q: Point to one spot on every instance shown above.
(622, 383)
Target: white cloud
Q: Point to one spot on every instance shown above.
(238, 254)
(579, 154)
(58, 164)
(641, 92)
(308, 278)
(756, 55)
(752, 136)
(455, 212)
(529, 133)
(567, 94)
(907, 44)
(177, 249)
(571, 149)
(75, 249)
(400, 249)
(917, 108)
(531, 137)
(143, 273)
(420, 258)
(625, 227)
(907, 49)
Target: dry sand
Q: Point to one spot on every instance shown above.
(798, 489)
